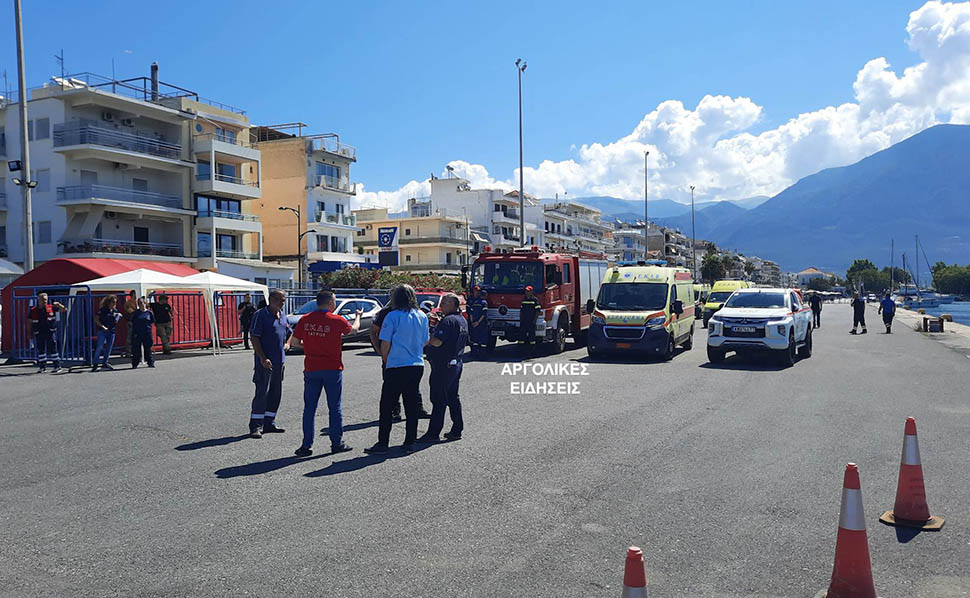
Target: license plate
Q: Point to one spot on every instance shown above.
(622, 345)
(743, 329)
(496, 333)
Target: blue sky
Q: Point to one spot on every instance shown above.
(415, 85)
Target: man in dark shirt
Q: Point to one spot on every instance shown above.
(528, 314)
(887, 307)
(815, 301)
(142, 338)
(164, 314)
(271, 336)
(858, 313)
(43, 320)
(445, 348)
(374, 332)
(245, 311)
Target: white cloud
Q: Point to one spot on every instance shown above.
(710, 146)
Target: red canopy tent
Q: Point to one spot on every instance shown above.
(68, 271)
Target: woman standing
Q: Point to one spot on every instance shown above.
(142, 338)
(106, 321)
(404, 333)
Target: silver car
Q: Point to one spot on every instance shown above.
(346, 308)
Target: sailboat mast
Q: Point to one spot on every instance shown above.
(917, 266)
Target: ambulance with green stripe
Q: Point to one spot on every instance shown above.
(647, 308)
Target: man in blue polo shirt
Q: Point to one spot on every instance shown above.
(270, 334)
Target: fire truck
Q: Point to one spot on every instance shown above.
(562, 282)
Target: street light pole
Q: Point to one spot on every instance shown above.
(520, 67)
(299, 240)
(24, 145)
(646, 213)
(693, 236)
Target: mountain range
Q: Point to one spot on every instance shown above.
(918, 186)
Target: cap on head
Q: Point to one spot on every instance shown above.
(528, 288)
(478, 288)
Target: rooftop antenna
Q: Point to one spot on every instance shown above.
(60, 60)
(451, 171)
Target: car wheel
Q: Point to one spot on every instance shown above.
(668, 353)
(592, 352)
(715, 355)
(806, 351)
(788, 355)
(559, 344)
(689, 343)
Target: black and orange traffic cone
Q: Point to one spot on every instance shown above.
(852, 571)
(910, 509)
(634, 574)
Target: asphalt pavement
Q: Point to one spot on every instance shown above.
(140, 483)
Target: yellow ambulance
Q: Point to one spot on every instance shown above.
(720, 292)
(647, 308)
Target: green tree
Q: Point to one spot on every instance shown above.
(712, 268)
(952, 279)
(857, 267)
(820, 284)
(749, 268)
(899, 275)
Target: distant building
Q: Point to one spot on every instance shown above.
(628, 242)
(807, 275)
(493, 211)
(574, 226)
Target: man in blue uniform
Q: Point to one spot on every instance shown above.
(271, 335)
(858, 313)
(478, 319)
(43, 320)
(887, 307)
(445, 348)
(528, 314)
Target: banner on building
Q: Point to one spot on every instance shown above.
(387, 237)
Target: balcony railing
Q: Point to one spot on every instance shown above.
(73, 134)
(231, 253)
(87, 192)
(225, 178)
(336, 218)
(119, 246)
(335, 183)
(230, 215)
(232, 139)
(330, 144)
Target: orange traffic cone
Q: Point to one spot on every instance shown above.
(911, 509)
(634, 575)
(852, 572)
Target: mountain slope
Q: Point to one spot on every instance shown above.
(707, 219)
(918, 186)
(614, 206)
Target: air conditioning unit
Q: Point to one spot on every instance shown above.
(370, 227)
(107, 116)
(127, 122)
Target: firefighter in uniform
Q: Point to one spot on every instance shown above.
(528, 314)
(43, 319)
(478, 320)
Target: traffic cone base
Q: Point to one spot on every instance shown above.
(825, 593)
(933, 524)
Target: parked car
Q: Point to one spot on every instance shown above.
(346, 307)
(435, 295)
(761, 320)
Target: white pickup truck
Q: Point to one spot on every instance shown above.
(761, 320)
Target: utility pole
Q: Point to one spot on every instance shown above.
(693, 236)
(299, 239)
(520, 67)
(892, 265)
(24, 145)
(646, 213)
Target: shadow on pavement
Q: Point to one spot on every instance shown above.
(751, 364)
(261, 467)
(192, 446)
(627, 359)
(353, 427)
(905, 534)
(366, 460)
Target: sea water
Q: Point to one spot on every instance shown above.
(960, 310)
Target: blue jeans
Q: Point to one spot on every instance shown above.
(331, 381)
(106, 342)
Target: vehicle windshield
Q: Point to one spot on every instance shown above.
(762, 300)
(422, 297)
(511, 276)
(719, 296)
(632, 296)
(308, 307)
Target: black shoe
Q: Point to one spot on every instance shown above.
(42, 370)
(134, 365)
(272, 429)
(453, 435)
(864, 331)
(56, 369)
(395, 417)
(255, 433)
(428, 439)
(343, 447)
(167, 352)
(409, 447)
(107, 366)
(303, 452)
(151, 365)
(94, 369)
(853, 331)
(424, 414)
(377, 449)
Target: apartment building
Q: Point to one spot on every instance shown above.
(133, 167)
(493, 212)
(422, 239)
(765, 272)
(628, 242)
(572, 225)
(306, 193)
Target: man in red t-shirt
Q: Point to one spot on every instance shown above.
(321, 333)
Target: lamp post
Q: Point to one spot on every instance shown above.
(646, 216)
(520, 67)
(299, 239)
(26, 183)
(693, 236)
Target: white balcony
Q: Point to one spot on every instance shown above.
(226, 146)
(122, 199)
(511, 217)
(227, 186)
(335, 184)
(117, 248)
(91, 141)
(332, 145)
(335, 219)
(228, 221)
